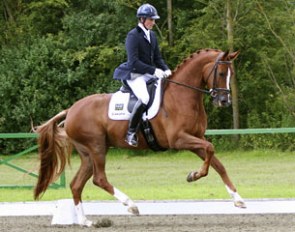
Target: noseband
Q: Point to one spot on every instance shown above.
(213, 92)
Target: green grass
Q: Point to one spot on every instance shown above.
(160, 176)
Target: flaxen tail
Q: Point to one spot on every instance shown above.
(54, 152)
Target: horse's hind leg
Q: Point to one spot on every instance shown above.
(77, 185)
(81, 177)
(100, 179)
(231, 189)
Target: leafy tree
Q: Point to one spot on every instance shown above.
(54, 52)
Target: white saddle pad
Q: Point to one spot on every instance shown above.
(118, 107)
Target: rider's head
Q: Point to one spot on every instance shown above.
(147, 14)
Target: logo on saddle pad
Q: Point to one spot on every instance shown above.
(119, 106)
(122, 102)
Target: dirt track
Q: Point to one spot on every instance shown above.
(204, 223)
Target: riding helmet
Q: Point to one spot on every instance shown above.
(147, 11)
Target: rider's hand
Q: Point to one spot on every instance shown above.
(168, 73)
(159, 73)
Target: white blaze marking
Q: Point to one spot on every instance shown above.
(228, 78)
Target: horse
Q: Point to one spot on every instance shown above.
(180, 124)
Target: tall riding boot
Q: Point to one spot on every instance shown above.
(136, 115)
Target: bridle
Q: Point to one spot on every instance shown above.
(212, 92)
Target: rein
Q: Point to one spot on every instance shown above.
(213, 91)
(190, 87)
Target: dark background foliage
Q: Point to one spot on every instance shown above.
(54, 52)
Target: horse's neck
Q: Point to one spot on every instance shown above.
(190, 73)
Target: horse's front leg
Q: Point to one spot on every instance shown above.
(220, 169)
(193, 144)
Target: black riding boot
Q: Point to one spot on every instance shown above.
(136, 115)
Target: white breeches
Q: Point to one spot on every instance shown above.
(138, 86)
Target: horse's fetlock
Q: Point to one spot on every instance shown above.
(204, 174)
(76, 190)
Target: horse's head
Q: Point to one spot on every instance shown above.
(217, 75)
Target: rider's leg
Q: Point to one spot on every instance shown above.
(138, 86)
(136, 115)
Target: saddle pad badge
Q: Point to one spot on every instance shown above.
(118, 106)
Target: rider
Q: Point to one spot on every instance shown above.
(144, 62)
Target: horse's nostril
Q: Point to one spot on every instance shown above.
(224, 102)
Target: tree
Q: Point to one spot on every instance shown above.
(7, 11)
(234, 84)
(286, 88)
(169, 19)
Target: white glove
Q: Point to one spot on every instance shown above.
(168, 73)
(159, 73)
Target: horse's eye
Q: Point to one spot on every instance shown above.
(222, 74)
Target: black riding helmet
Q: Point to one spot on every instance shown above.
(147, 11)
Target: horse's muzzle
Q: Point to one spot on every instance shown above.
(222, 100)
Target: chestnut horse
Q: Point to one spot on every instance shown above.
(180, 124)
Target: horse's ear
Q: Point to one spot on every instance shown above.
(225, 54)
(233, 55)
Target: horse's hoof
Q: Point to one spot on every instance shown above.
(86, 223)
(240, 204)
(191, 177)
(134, 210)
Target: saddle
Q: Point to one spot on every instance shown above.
(122, 104)
(151, 88)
